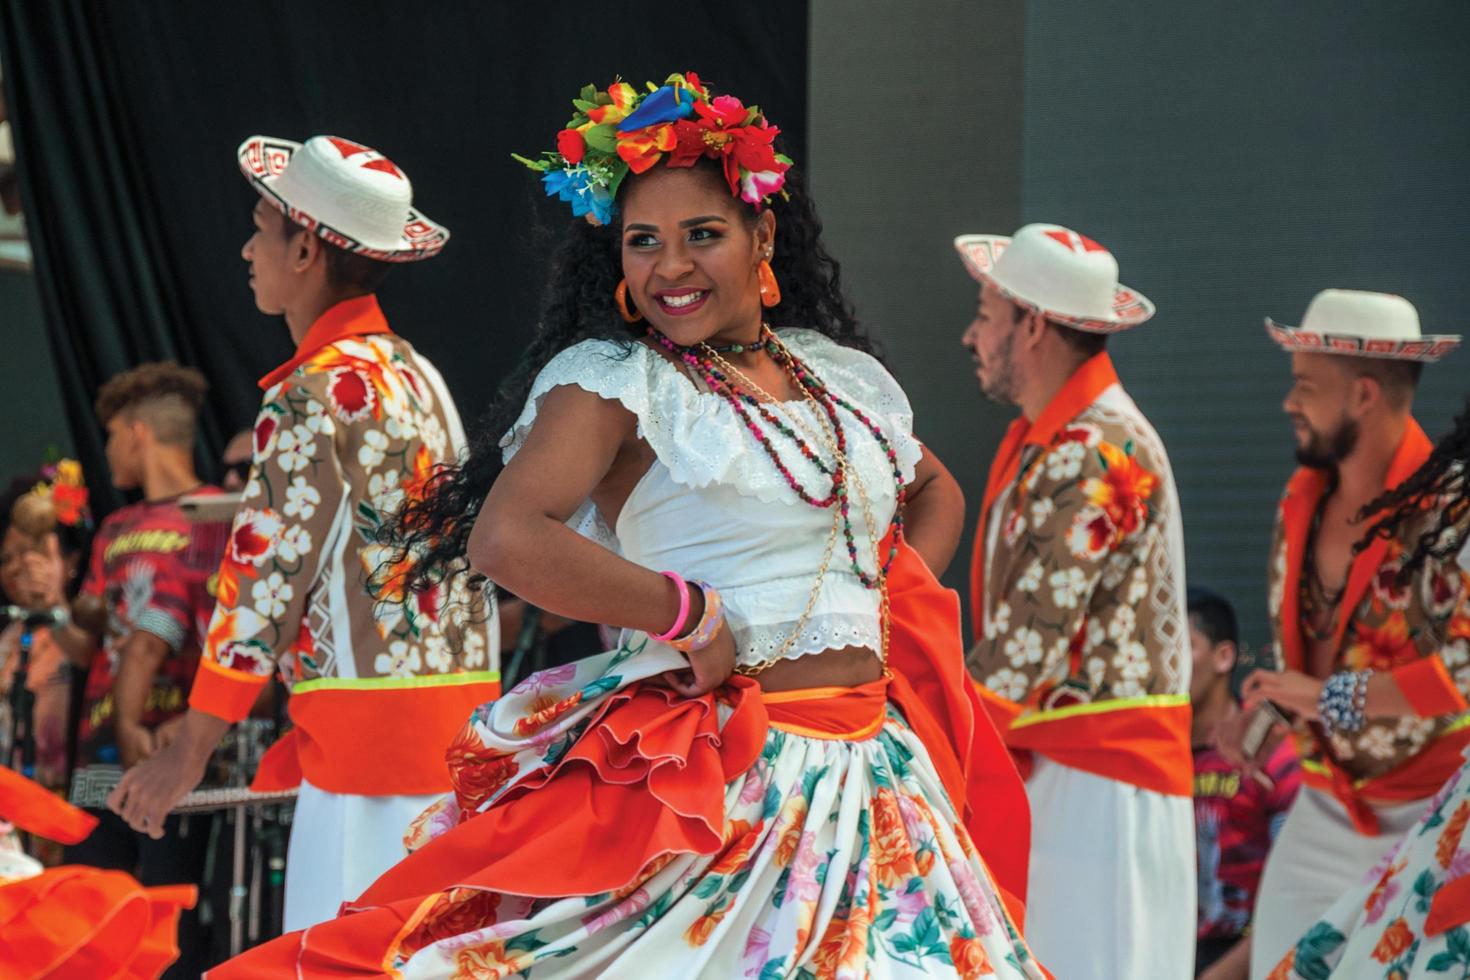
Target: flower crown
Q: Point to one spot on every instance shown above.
(623, 131)
(63, 486)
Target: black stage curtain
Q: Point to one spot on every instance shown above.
(127, 116)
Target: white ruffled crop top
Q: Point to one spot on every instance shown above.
(713, 507)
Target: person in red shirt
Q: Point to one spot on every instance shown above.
(152, 569)
(1236, 815)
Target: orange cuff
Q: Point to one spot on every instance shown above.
(226, 693)
(1428, 688)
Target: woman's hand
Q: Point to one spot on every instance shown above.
(43, 575)
(708, 668)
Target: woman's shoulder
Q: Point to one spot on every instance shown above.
(855, 371)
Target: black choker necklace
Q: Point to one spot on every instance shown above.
(763, 343)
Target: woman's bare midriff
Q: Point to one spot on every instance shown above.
(848, 667)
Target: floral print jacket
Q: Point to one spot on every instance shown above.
(352, 427)
(1083, 588)
(1418, 631)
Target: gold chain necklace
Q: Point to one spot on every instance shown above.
(850, 478)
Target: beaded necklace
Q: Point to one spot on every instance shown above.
(713, 369)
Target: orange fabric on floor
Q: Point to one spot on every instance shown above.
(75, 921)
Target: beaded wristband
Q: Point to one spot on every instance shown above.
(679, 620)
(703, 634)
(1343, 700)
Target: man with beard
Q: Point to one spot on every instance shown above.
(1078, 596)
(1370, 669)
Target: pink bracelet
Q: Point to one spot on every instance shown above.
(678, 626)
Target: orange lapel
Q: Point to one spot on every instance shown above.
(1413, 450)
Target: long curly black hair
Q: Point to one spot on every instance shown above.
(1441, 487)
(577, 305)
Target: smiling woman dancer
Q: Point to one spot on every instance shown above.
(777, 774)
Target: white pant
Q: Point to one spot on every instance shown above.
(340, 844)
(1111, 894)
(1317, 856)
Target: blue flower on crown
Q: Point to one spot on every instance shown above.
(577, 187)
(662, 105)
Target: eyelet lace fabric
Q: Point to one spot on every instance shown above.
(772, 543)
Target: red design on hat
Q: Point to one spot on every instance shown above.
(1074, 241)
(346, 147)
(385, 165)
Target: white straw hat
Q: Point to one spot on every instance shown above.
(1053, 270)
(1362, 324)
(349, 194)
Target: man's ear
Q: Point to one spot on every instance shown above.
(1032, 330)
(1364, 392)
(305, 249)
(1224, 655)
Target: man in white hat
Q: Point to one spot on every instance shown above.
(1376, 670)
(351, 426)
(1078, 596)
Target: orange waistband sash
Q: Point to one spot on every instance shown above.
(1141, 744)
(408, 729)
(1415, 779)
(844, 713)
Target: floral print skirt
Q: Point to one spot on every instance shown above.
(1411, 919)
(836, 854)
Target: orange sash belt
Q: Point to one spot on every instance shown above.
(845, 713)
(1416, 779)
(1142, 745)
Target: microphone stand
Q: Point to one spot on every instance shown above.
(22, 744)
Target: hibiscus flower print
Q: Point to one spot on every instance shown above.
(265, 431)
(1123, 491)
(249, 656)
(253, 537)
(1443, 591)
(351, 394)
(1091, 535)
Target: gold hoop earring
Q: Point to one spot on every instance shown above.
(770, 288)
(620, 296)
